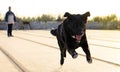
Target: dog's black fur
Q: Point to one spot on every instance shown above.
(71, 34)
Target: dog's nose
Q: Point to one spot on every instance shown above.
(80, 33)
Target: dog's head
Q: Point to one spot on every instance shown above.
(75, 24)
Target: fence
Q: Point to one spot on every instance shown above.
(53, 24)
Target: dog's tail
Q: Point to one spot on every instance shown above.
(54, 32)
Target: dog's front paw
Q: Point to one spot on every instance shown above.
(62, 61)
(89, 60)
(75, 55)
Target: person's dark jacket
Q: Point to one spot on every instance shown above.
(7, 14)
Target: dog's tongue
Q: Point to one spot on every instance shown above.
(78, 37)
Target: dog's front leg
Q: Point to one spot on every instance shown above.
(87, 51)
(63, 54)
(72, 51)
(62, 59)
(63, 51)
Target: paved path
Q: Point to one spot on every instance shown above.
(37, 51)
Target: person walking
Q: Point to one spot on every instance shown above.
(10, 19)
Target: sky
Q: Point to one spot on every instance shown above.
(33, 8)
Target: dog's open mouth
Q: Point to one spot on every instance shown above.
(78, 37)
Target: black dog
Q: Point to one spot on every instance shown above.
(71, 34)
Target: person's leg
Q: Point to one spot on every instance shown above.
(8, 30)
(11, 29)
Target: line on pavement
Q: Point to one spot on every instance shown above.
(104, 46)
(19, 66)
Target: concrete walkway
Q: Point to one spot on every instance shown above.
(37, 51)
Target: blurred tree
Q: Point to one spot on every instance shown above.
(38, 18)
(46, 17)
(33, 19)
(26, 20)
(105, 19)
(107, 22)
(97, 19)
(59, 18)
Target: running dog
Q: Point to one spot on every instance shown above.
(71, 34)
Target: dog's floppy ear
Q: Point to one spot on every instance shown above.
(67, 14)
(86, 14)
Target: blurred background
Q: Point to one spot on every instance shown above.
(48, 14)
